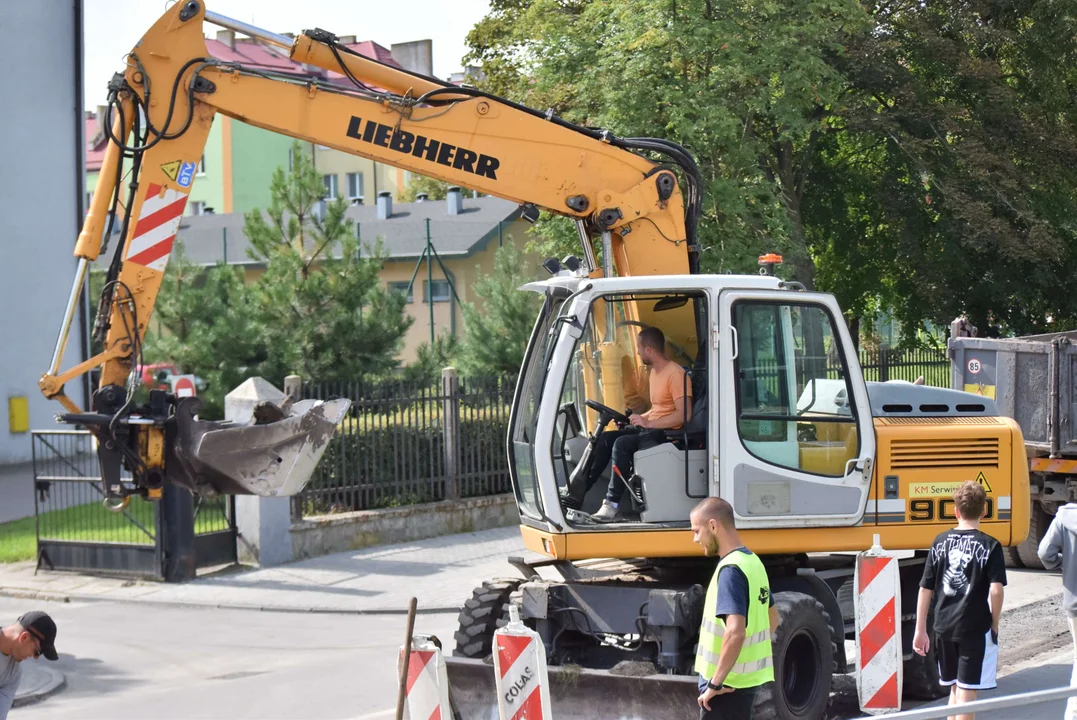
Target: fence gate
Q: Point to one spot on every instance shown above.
(75, 531)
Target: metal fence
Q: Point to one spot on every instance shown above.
(74, 531)
(411, 442)
(885, 363)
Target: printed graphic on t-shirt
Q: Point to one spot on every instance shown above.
(960, 568)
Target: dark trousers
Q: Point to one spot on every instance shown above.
(620, 445)
(736, 705)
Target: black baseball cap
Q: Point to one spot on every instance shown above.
(41, 626)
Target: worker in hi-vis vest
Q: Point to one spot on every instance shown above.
(734, 657)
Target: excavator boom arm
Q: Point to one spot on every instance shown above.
(161, 110)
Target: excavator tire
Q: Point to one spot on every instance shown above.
(479, 617)
(1038, 522)
(804, 653)
(1013, 558)
(920, 675)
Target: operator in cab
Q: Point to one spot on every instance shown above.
(671, 402)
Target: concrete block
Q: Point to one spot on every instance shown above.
(239, 404)
(264, 524)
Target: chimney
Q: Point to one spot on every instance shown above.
(416, 56)
(455, 200)
(385, 205)
(228, 37)
(422, 197)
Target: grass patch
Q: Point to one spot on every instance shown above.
(91, 522)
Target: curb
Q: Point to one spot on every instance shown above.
(313, 610)
(55, 683)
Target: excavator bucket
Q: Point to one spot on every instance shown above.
(578, 693)
(273, 455)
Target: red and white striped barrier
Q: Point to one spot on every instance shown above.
(878, 637)
(523, 687)
(428, 683)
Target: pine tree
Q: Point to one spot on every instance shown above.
(497, 333)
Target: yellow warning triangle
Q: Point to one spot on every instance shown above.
(171, 169)
(982, 479)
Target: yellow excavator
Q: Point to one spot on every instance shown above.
(814, 460)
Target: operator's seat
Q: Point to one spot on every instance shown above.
(668, 493)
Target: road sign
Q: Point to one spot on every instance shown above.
(183, 386)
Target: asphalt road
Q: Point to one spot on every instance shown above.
(124, 660)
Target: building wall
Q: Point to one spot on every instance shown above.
(208, 186)
(255, 156)
(377, 177)
(464, 272)
(42, 208)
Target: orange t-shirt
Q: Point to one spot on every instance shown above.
(667, 386)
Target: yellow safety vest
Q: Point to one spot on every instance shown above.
(755, 663)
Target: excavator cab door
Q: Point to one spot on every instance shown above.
(796, 440)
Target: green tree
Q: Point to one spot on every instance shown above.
(949, 188)
(324, 312)
(318, 309)
(913, 156)
(498, 331)
(430, 360)
(208, 327)
(745, 85)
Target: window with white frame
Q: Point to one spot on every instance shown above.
(330, 182)
(355, 185)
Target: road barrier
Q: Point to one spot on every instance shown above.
(523, 686)
(999, 703)
(427, 681)
(878, 647)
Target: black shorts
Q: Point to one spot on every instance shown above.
(969, 663)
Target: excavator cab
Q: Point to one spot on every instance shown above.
(605, 373)
(779, 425)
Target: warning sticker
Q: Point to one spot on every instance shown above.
(982, 479)
(171, 169)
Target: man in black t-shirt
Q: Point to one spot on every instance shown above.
(965, 572)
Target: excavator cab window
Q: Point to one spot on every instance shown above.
(605, 368)
(793, 406)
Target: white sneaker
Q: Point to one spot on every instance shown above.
(607, 513)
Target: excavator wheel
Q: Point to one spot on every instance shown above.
(804, 653)
(920, 675)
(1013, 558)
(1038, 522)
(479, 618)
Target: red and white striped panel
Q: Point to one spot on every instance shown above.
(155, 231)
(878, 646)
(520, 673)
(427, 691)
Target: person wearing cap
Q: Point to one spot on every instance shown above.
(32, 635)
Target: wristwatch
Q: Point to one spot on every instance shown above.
(714, 687)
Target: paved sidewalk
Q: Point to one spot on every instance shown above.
(438, 572)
